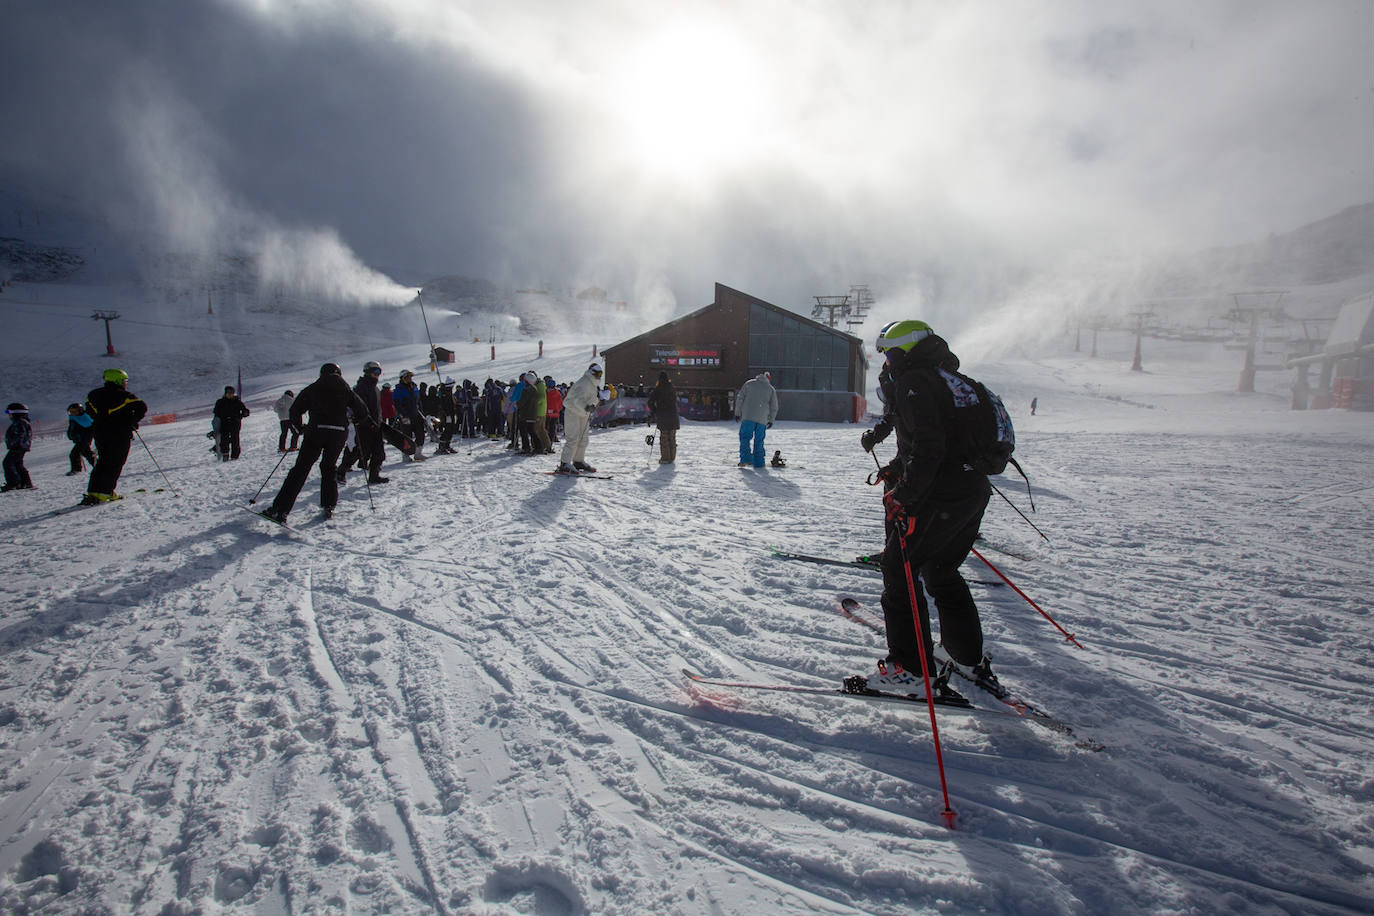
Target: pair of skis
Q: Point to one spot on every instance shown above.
(586, 474)
(85, 505)
(856, 688)
(871, 562)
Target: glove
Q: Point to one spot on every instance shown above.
(898, 513)
(889, 474)
(768, 426)
(893, 506)
(868, 440)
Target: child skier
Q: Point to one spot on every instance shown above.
(81, 431)
(18, 440)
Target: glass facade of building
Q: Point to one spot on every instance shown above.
(800, 356)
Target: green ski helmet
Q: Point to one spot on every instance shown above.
(118, 376)
(902, 335)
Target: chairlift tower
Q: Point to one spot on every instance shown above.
(831, 305)
(1252, 314)
(861, 300)
(1140, 317)
(106, 317)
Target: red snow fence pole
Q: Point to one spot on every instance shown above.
(1068, 637)
(948, 814)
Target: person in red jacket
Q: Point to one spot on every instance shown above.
(388, 407)
(554, 408)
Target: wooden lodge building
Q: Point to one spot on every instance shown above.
(819, 372)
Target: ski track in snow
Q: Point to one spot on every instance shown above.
(466, 700)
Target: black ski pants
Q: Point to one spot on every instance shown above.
(371, 452)
(81, 448)
(320, 444)
(229, 446)
(944, 534)
(16, 475)
(111, 453)
(286, 427)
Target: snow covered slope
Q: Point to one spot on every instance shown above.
(461, 695)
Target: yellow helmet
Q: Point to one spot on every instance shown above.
(902, 335)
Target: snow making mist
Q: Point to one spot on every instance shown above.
(315, 263)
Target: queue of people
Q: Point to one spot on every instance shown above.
(530, 413)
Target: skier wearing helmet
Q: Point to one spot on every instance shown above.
(578, 404)
(406, 399)
(935, 503)
(115, 413)
(328, 400)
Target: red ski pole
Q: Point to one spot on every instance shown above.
(948, 814)
(1067, 635)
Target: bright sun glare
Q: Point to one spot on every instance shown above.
(687, 103)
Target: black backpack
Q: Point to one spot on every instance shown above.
(983, 425)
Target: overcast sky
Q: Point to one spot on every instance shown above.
(785, 147)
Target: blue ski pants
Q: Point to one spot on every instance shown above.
(751, 449)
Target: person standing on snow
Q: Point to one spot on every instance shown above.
(230, 411)
(539, 425)
(935, 502)
(578, 405)
(369, 453)
(553, 409)
(663, 411)
(282, 407)
(18, 440)
(387, 402)
(528, 412)
(328, 400)
(79, 430)
(756, 407)
(406, 398)
(115, 414)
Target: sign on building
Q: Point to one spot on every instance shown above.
(667, 356)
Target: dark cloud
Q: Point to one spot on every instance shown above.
(930, 150)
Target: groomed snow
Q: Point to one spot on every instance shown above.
(462, 694)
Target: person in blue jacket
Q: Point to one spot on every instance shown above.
(81, 430)
(18, 440)
(406, 398)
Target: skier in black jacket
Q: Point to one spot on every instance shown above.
(328, 400)
(663, 410)
(935, 502)
(18, 440)
(369, 453)
(115, 414)
(230, 411)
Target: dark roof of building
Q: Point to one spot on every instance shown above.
(657, 331)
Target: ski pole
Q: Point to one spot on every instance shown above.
(1067, 635)
(155, 464)
(269, 477)
(1018, 511)
(948, 814)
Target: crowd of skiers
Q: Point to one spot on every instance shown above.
(532, 413)
(352, 425)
